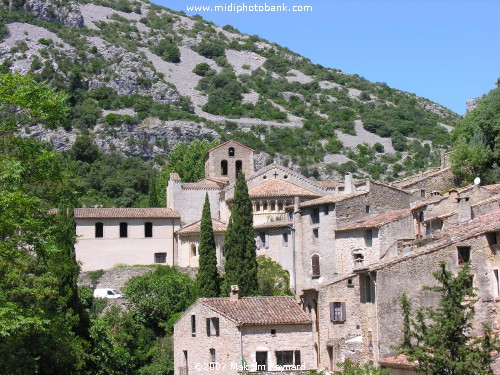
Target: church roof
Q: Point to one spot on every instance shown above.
(259, 310)
(206, 183)
(279, 188)
(125, 213)
(331, 199)
(376, 221)
(230, 141)
(194, 228)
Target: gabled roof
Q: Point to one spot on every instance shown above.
(492, 199)
(492, 187)
(331, 199)
(193, 228)
(274, 224)
(230, 141)
(259, 310)
(376, 221)
(125, 213)
(279, 188)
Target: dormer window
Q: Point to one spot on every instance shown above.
(231, 152)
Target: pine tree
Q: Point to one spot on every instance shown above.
(153, 196)
(207, 280)
(440, 341)
(239, 244)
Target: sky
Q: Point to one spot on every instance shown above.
(445, 50)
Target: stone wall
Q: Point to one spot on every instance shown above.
(221, 153)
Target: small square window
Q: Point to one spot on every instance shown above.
(463, 254)
(315, 216)
(350, 283)
(273, 332)
(160, 257)
(368, 238)
(337, 312)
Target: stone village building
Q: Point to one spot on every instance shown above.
(339, 242)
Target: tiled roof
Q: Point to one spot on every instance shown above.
(329, 184)
(259, 310)
(486, 201)
(415, 178)
(202, 184)
(492, 187)
(489, 222)
(331, 199)
(193, 228)
(230, 141)
(174, 177)
(400, 361)
(125, 213)
(432, 200)
(274, 224)
(376, 221)
(279, 188)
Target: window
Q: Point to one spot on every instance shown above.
(491, 237)
(280, 206)
(326, 210)
(367, 287)
(239, 168)
(288, 358)
(231, 152)
(273, 332)
(367, 209)
(212, 326)
(463, 254)
(273, 206)
(193, 325)
(123, 230)
(261, 359)
(99, 230)
(369, 238)
(148, 230)
(422, 193)
(315, 236)
(315, 216)
(285, 239)
(223, 167)
(193, 250)
(257, 207)
(470, 282)
(212, 355)
(497, 283)
(264, 240)
(337, 312)
(264, 207)
(315, 265)
(160, 257)
(350, 283)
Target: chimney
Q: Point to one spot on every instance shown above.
(348, 184)
(463, 209)
(234, 295)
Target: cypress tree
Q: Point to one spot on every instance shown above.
(153, 197)
(239, 244)
(207, 279)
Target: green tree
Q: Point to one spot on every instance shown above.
(476, 141)
(207, 279)
(160, 294)
(42, 324)
(272, 278)
(239, 244)
(84, 149)
(186, 159)
(440, 342)
(153, 196)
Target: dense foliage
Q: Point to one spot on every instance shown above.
(207, 279)
(273, 280)
(476, 142)
(240, 263)
(438, 337)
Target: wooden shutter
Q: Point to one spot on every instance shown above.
(315, 265)
(332, 311)
(216, 325)
(343, 315)
(208, 326)
(297, 358)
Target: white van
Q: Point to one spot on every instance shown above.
(107, 293)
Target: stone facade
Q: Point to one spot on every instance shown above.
(227, 159)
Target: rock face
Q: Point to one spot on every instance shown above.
(67, 12)
(471, 104)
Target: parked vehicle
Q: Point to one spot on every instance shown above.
(107, 293)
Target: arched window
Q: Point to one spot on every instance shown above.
(212, 355)
(123, 230)
(315, 265)
(148, 230)
(223, 167)
(99, 230)
(193, 250)
(231, 152)
(239, 167)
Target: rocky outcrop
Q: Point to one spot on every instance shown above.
(66, 12)
(471, 104)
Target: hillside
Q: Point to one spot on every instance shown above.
(144, 78)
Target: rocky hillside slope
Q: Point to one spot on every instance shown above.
(144, 78)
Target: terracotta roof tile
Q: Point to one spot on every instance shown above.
(492, 187)
(331, 199)
(174, 177)
(279, 188)
(492, 199)
(400, 361)
(329, 184)
(259, 310)
(125, 213)
(376, 221)
(193, 228)
(202, 184)
(274, 224)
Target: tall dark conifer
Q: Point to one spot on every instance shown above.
(207, 280)
(239, 244)
(153, 196)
